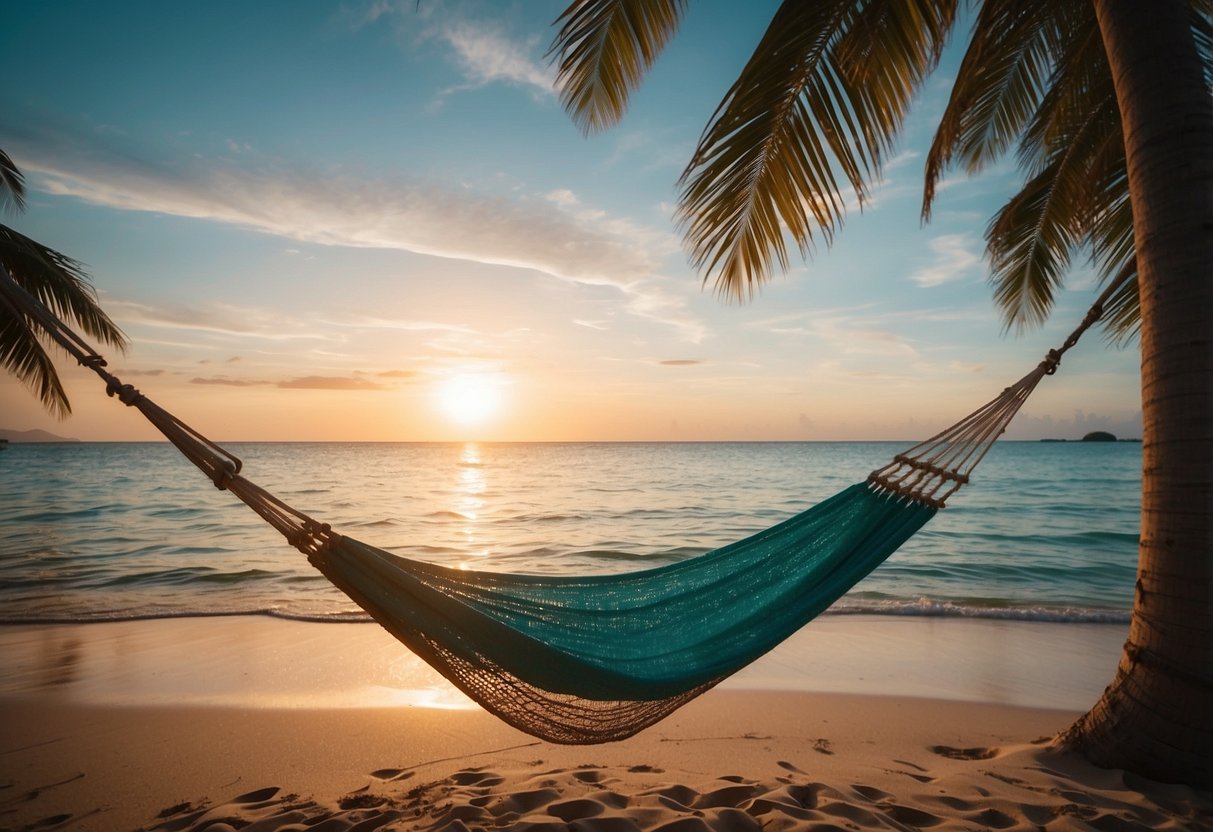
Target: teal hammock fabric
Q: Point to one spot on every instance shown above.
(588, 658)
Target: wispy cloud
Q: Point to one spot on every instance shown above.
(680, 362)
(955, 257)
(483, 51)
(219, 319)
(566, 240)
(223, 381)
(329, 383)
(487, 55)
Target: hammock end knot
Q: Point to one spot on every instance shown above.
(1051, 362)
(126, 393)
(314, 540)
(224, 473)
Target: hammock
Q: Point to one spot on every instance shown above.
(589, 659)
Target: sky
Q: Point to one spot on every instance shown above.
(371, 220)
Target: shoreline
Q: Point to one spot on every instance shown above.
(261, 661)
(192, 724)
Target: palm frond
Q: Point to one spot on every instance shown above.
(1032, 239)
(998, 85)
(23, 355)
(1202, 34)
(62, 285)
(12, 184)
(1081, 82)
(813, 104)
(1122, 311)
(603, 49)
(60, 282)
(1110, 235)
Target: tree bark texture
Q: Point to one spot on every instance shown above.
(1156, 718)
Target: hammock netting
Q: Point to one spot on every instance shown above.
(594, 658)
(589, 659)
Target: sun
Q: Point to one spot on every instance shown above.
(470, 398)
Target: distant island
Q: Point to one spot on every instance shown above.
(1095, 436)
(32, 436)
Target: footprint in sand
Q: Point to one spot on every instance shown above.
(258, 796)
(910, 816)
(870, 793)
(476, 777)
(964, 753)
(576, 809)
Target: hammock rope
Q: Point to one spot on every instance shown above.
(589, 659)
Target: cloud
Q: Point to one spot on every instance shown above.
(405, 324)
(342, 209)
(329, 383)
(219, 319)
(486, 55)
(680, 362)
(227, 382)
(483, 51)
(954, 259)
(850, 332)
(397, 374)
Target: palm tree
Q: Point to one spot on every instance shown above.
(1109, 103)
(60, 283)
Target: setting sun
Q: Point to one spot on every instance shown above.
(470, 398)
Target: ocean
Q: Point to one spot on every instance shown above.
(116, 531)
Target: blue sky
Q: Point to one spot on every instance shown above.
(312, 217)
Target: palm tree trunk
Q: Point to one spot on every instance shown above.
(1156, 718)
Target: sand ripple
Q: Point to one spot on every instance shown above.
(1027, 787)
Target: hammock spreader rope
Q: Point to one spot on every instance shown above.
(598, 658)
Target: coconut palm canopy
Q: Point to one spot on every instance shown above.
(818, 108)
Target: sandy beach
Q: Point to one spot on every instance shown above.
(262, 724)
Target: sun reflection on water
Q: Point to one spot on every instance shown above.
(469, 501)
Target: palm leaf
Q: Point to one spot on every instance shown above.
(62, 285)
(60, 282)
(1080, 82)
(1202, 33)
(998, 85)
(604, 48)
(22, 354)
(1030, 241)
(1122, 311)
(12, 184)
(812, 104)
(1071, 143)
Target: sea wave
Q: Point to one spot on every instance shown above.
(927, 608)
(921, 608)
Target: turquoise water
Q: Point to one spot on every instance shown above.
(1047, 531)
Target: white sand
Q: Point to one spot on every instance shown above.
(222, 723)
